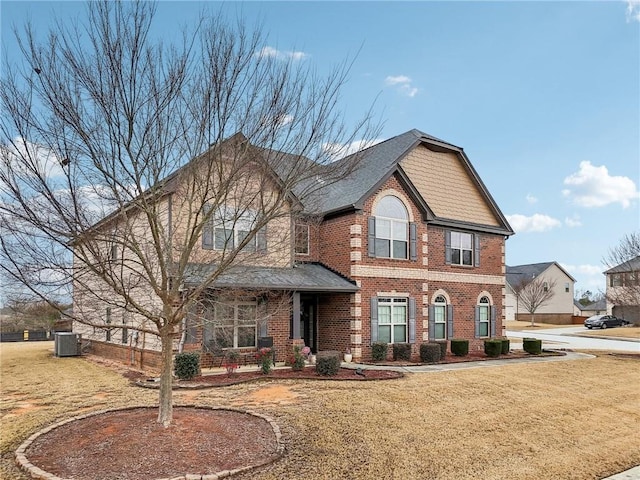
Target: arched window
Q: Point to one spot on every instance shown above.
(483, 316)
(440, 318)
(391, 228)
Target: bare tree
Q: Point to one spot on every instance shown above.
(533, 293)
(623, 275)
(131, 168)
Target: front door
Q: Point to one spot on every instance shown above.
(309, 320)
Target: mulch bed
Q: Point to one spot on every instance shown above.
(309, 373)
(131, 445)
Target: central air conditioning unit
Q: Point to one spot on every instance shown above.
(67, 344)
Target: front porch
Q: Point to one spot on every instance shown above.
(279, 308)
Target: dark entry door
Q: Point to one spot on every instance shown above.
(309, 320)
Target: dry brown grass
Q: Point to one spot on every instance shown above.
(624, 332)
(520, 326)
(561, 420)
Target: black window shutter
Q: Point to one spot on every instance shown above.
(432, 323)
(413, 241)
(412, 320)
(374, 319)
(447, 247)
(207, 229)
(476, 253)
(449, 321)
(477, 322)
(371, 237)
(493, 321)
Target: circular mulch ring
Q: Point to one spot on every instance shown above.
(128, 444)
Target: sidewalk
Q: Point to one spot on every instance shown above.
(466, 365)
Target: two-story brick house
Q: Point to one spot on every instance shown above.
(408, 249)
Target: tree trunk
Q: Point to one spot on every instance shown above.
(165, 410)
(532, 322)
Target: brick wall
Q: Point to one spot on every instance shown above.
(343, 247)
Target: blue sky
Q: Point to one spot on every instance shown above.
(543, 96)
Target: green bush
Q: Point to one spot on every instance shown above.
(493, 347)
(379, 351)
(430, 352)
(532, 346)
(328, 363)
(460, 347)
(443, 348)
(402, 351)
(186, 365)
(505, 346)
(296, 361)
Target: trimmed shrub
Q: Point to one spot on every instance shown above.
(402, 351)
(379, 351)
(443, 348)
(430, 352)
(186, 365)
(532, 346)
(328, 363)
(460, 347)
(493, 347)
(296, 359)
(505, 346)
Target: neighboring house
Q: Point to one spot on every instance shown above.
(623, 290)
(408, 249)
(599, 307)
(558, 309)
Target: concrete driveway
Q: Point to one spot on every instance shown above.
(567, 338)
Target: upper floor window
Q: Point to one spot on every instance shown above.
(302, 239)
(462, 248)
(390, 233)
(566, 288)
(228, 229)
(616, 280)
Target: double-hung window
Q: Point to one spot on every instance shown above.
(390, 233)
(483, 317)
(440, 318)
(227, 229)
(462, 248)
(231, 325)
(392, 320)
(301, 239)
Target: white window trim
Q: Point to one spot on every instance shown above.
(462, 250)
(443, 305)
(394, 302)
(486, 307)
(214, 323)
(295, 240)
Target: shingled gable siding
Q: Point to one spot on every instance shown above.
(427, 169)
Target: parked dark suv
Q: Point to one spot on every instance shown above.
(604, 321)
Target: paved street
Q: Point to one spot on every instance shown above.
(567, 338)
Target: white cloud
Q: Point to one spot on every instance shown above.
(403, 84)
(531, 199)
(30, 159)
(573, 221)
(534, 223)
(339, 150)
(587, 276)
(592, 186)
(271, 52)
(633, 10)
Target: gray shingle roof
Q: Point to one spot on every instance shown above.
(375, 163)
(519, 273)
(304, 277)
(632, 265)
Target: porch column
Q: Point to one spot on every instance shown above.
(295, 328)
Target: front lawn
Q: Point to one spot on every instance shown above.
(565, 420)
